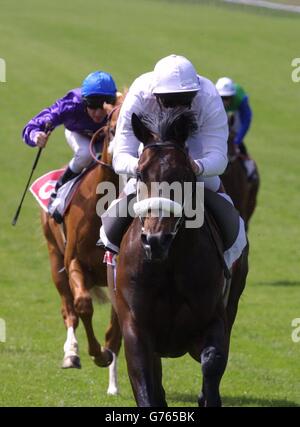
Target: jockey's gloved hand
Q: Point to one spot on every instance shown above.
(40, 139)
(197, 168)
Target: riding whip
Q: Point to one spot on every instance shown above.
(48, 130)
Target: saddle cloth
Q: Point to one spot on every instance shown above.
(43, 187)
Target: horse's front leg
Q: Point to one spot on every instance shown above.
(84, 308)
(144, 367)
(213, 360)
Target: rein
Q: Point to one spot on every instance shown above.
(95, 138)
(169, 144)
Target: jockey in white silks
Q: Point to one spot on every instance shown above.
(173, 83)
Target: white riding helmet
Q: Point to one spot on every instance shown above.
(174, 74)
(225, 87)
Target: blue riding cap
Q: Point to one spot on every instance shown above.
(98, 83)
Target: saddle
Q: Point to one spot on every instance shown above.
(115, 220)
(225, 215)
(59, 206)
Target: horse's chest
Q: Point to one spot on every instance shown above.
(175, 329)
(177, 318)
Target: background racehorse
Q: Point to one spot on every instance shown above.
(242, 190)
(76, 264)
(170, 278)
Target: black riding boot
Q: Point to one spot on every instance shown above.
(66, 176)
(248, 163)
(115, 221)
(243, 149)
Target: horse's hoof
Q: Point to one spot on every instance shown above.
(105, 359)
(201, 401)
(112, 391)
(71, 362)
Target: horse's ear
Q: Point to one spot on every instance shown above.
(141, 132)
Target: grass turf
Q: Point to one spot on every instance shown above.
(48, 49)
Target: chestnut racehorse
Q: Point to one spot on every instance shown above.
(170, 278)
(242, 190)
(77, 263)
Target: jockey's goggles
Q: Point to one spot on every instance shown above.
(226, 98)
(95, 102)
(179, 99)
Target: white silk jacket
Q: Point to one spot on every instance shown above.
(208, 146)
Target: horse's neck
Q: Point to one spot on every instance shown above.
(102, 175)
(231, 145)
(105, 171)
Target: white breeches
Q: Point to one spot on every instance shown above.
(80, 145)
(212, 182)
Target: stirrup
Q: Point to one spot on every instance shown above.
(53, 196)
(57, 217)
(249, 166)
(100, 243)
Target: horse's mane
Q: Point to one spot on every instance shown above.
(172, 124)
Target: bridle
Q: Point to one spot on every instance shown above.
(139, 178)
(103, 130)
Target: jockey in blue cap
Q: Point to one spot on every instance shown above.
(82, 113)
(236, 101)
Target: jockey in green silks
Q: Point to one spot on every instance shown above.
(236, 101)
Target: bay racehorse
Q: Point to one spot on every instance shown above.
(240, 188)
(170, 278)
(77, 266)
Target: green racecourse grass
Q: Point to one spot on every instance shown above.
(49, 48)
(291, 2)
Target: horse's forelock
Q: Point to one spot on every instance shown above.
(151, 121)
(170, 122)
(178, 125)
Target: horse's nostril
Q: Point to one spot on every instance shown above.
(167, 239)
(144, 238)
(157, 241)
